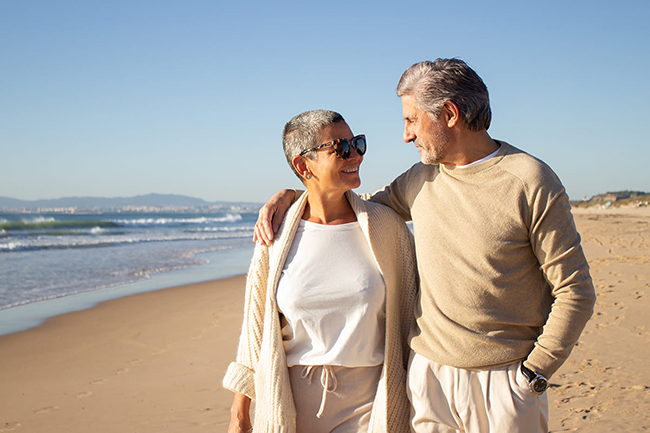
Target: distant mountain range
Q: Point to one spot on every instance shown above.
(182, 201)
(149, 200)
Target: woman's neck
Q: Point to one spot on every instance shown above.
(328, 209)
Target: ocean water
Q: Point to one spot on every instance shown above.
(45, 256)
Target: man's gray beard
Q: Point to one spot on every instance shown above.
(431, 157)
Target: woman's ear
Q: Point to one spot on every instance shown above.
(300, 164)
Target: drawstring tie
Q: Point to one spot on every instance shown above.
(326, 376)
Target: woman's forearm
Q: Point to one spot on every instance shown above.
(240, 420)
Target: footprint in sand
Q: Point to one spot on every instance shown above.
(9, 426)
(134, 361)
(84, 394)
(98, 382)
(47, 409)
(122, 371)
(163, 349)
(636, 387)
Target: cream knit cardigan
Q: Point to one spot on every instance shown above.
(261, 371)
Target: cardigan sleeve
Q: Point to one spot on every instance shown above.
(409, 288)
(240, 374)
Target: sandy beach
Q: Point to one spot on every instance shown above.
(605, 384)
(154, 362)
(151, 362)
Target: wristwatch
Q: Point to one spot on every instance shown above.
(537, 383)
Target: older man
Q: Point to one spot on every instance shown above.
(505, 287)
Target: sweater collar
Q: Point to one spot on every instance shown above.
(504, 149)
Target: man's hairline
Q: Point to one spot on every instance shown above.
(431, 115)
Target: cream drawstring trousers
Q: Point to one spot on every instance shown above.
(332, 398)
(447, 399)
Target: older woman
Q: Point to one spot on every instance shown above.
(330, 304)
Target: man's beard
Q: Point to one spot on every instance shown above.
(436, 149)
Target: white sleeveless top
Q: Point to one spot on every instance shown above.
(333, 298)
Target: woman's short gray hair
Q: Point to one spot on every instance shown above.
(432, 84)
(303, 132)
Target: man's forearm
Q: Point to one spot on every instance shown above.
(557, 247)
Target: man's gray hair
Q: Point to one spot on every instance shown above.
(303, 132)
(431, 84)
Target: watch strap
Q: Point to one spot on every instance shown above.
(536, 382)
(528, 373)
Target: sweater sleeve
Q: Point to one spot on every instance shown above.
(556, 244)
(400, 193)
(240, 374)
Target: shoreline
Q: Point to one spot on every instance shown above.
(221, 264)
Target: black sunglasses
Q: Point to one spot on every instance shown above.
(343, 146)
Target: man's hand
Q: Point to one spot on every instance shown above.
(271, 215)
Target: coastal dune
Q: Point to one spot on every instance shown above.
(154, 362)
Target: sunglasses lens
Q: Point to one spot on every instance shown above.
(360, 144)
(343, 146)
(342, 149)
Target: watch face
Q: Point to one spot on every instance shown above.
(539, 385)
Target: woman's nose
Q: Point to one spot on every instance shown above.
(354, 154)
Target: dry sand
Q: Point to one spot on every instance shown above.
(605, 384)
(153, 362)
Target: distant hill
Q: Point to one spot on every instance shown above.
(149, 200)
(615, 198)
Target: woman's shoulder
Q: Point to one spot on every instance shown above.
(292, 215)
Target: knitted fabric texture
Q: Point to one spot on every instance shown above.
(503, 275)
(260, 370)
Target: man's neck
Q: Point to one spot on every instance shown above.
(469, 147)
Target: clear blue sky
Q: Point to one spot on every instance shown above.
(122, 98)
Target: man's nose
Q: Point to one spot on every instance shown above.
(409, 135)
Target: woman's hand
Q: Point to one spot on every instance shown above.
(240, 418)
(271, 215)
(239, 427)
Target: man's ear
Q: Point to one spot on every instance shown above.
(451, 113)
(300, 164)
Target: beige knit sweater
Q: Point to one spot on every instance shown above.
(261, 372)
(503, 275)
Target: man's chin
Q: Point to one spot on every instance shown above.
(428, 159)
